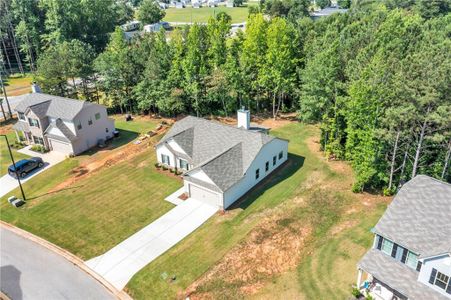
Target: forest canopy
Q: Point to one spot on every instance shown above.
(376, 79)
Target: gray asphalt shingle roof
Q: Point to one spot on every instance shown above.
(419, 217)
(223, 152)
(397, 275)
(57, 107)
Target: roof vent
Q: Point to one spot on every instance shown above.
(244, 118)
(35, 88)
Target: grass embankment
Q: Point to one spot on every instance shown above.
(201, 15)
(95, 213)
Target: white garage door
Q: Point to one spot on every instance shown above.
(204, 195)
(61, 147)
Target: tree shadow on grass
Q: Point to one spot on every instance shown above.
(125, 137)
(291, 166)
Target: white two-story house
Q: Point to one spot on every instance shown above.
(411, 254)
(220, 162)
(61, 124)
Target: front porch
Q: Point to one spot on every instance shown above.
(370, 286)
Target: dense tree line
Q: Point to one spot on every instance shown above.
(376, 79)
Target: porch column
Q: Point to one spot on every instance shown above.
(17, 136)
(359, 278)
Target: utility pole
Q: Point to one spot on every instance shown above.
(6, 97)
(14, 164)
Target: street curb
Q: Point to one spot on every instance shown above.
(70, 257)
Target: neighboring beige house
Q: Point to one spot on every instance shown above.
(61, 124)
(220, 162)
(411, 254)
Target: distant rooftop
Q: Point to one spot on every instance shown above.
(327, 12)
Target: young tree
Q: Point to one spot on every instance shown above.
(218, 31)
(149, 12)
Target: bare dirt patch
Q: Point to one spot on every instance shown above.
(107, 159)
(270, 249)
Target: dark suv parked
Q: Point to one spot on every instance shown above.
(25, 166)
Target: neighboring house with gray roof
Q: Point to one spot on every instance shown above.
(411, 254)
(61, 124)
(220, 162)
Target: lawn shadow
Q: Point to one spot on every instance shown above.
(125, 137)
(291, 166)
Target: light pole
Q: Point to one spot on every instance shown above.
(14, 164)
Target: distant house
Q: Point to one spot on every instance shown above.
(230, 3)
(131, 26)
(196, 4)
(156, 27)
(220, 162)
(179, 5)
(213, 3)
(411, 254)
(325, 12)
(62, 124)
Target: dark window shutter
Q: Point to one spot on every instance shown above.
(433, 274)
(393, 251)
(448, 289)
(419, 266)
(404, 256)
(379, 242)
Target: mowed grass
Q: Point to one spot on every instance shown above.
(5, 158)
(193, 256)
(201, 15)
(18, 85)
(95, 213)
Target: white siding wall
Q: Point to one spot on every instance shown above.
(266, 154)
(173, 144)
(441, 264)
(89, 135)
(162, 149)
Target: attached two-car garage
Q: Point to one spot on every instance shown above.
(60, 146)
(205, 195)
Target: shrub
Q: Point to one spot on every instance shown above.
(388, 192)
(157, 165)
(172, 170)
(165, 168)
(356, 292)
(38, 148)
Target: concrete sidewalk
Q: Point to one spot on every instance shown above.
(8, 183)
(119, 264)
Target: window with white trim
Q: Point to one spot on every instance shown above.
(267, 166)
(257, 173)
(165, 159)
(412, 260)
(387, 246)
(441, 280)
(33, 122)
(79, 125)
(183, 164)
(274, 159)
(280, 154)
(21, 116)
(97, 116)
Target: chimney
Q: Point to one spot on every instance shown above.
(244, 118)
(35, 88)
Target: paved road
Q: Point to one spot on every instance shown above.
(8, 183)
(119, 264)
(31, 271)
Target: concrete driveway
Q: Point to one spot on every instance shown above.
(29, 270)
(8, 183)
(119, 264)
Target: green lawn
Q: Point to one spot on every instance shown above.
(5, 159)
(18, 85)
(189, 14)
(96, 213)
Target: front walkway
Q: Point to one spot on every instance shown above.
(119, 264)
(8, 183)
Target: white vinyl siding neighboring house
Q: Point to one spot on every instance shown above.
(62, 124)
(220, 161)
